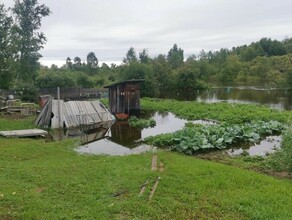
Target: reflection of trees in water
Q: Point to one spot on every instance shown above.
(260, 96)
(280, 98)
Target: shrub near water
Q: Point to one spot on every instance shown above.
(282, 159)
(199, 137)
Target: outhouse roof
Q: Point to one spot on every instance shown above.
(125, 82)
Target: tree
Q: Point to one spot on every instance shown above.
(188, 80)
(68, 63)
(77, 63)
(84, 80)
(55, 79)
(175, 57)
(6, 50)
(143, 56)
(272, 47)
(130, 56)
(28, 16)
(104, 66)
(289, 78)
(92, 61)
(163, 76)
(137, 70)
(230, 69)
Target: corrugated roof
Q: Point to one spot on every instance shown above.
(73, 114)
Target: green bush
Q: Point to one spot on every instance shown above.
(27, 92)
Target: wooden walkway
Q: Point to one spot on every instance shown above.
(24, 133)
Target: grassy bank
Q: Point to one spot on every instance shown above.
(41, 180)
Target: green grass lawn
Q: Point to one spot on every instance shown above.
(40, 180)
(49, 180)
(16, 123)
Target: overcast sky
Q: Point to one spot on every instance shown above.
(110, 27)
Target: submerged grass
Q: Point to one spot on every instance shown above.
(41, 180)
(224, 112)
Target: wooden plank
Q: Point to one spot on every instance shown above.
(154, 163)
(48, 113)
(24, 133)
(154, 188)
(96, 106)
(57, 117)
(71, 113)
(161, 167)
(143, 188)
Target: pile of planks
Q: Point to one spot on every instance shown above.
(59, 114)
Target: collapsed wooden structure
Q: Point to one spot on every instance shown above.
(60, 114)
(124, 97)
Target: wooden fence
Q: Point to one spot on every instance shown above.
(65, 93)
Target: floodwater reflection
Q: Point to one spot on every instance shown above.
(122, 139)
(269, 145)
(274, 98)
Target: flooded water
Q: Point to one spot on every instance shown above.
(279, 99)
(269, 145)
(121, 139)
(107, 147)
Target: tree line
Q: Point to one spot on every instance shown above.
(266, 62)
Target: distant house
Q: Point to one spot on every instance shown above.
(124, 97)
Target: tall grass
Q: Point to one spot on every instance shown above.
(282, 159)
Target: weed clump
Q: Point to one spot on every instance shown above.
(282, 159)
(141, 123)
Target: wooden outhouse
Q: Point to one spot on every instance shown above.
(124, 97)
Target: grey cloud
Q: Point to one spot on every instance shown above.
(110, 28)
